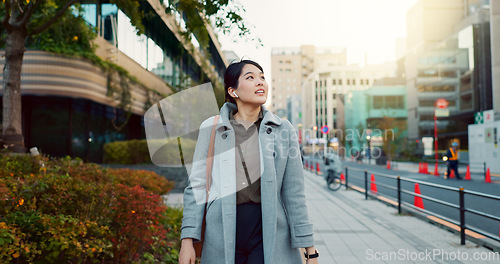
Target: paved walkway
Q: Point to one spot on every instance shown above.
(349, 229)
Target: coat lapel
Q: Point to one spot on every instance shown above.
(267, 137)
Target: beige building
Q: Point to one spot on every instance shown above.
(290, 67)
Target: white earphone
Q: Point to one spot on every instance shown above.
(235, 94)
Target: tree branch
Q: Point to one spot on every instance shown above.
(6, 18)
(54, 18)
(29, 12)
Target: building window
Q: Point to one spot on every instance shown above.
(348, 82)
(435, 88)
(367, 82)
(333, 97)
(378, 102)
(466, 102)
(361, 81)
(340, 81)
(334, 82)
(353, 81)
(391, 101)
(430, 103)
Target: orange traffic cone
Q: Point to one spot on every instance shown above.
(305, 164)
(426, 168)
(373, 185)
(488, 176)
(311, 166)
(318, 171)
(417, 201)
(420, 167)
(436, 170)
(467, 174)
(388, 164)
(342, 177)
(452, 174)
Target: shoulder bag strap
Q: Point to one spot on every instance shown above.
(210, 157)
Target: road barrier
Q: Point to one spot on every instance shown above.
(399, 203)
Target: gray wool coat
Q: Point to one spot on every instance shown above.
(285, 223)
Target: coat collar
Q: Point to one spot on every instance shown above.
(228, 107)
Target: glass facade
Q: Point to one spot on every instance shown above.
(157, 51)
(81, 126)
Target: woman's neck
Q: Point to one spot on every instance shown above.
(247, 113)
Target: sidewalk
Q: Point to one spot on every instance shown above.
(349, 229)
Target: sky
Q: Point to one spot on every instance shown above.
(368, 27)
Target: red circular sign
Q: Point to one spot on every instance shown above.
(325, 129)
(441, 103)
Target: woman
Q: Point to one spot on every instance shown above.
(256, 210)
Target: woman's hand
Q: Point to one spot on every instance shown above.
(187, 254)
(312, 261)
(310, 251)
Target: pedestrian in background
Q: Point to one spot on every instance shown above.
(256, 211)
(452, 160)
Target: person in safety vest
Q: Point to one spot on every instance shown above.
(452, 160)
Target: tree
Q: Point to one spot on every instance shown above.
(391, 129)
(26, 18)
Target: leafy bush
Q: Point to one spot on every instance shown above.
(65, 210)
(137, 152)
(148, 180)
(126, 152)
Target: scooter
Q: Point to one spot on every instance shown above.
(333, 171)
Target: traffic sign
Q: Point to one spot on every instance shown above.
(442, 112)
(478, 118)
(488, 116)
(441, 103)
(325, 129)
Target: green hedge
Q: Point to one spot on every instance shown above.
(136, 152)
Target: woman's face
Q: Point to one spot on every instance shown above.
(252, 87)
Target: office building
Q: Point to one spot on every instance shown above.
(71, 106)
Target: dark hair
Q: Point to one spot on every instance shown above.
(232, 74)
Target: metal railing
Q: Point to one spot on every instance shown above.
(477, 166)
(460, 207)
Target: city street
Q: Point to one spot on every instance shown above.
(481, 204)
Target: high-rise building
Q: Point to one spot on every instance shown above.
(448, 59)
(495, 54)
(290, 66)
